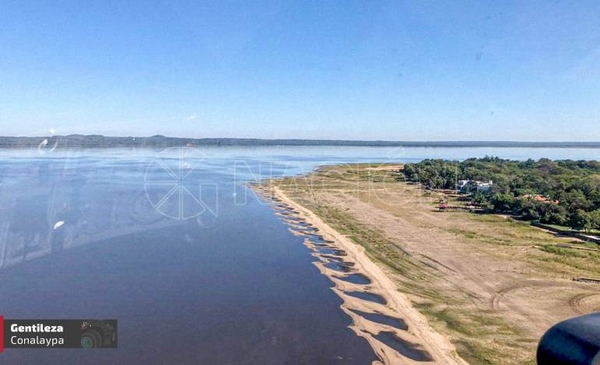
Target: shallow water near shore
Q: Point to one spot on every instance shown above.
(171, 243)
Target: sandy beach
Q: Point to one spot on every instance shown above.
(419, 342)
(470, 288)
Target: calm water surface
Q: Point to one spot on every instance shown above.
(172, 244)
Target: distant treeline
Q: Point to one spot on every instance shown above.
(554, 192)
(158, 141)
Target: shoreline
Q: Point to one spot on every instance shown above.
(423, 343)
(161, 141)
(490, 286)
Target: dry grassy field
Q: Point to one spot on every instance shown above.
(490, 284)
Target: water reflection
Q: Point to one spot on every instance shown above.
(52, 204)
(230, 288)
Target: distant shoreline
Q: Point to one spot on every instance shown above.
(159, 141)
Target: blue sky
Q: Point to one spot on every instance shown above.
(390, 70)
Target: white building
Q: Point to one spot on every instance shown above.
(467, 186)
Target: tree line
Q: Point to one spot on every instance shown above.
(565, 192)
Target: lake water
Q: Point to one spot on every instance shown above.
(194, 266)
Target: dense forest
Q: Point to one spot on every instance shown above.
(553, 192)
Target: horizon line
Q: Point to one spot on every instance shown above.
(306, 139)
(161, 141)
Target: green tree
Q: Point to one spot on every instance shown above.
(595, 219)
(575, 200)
(527, 209)
(503, 202)
(553, 214)
(479, 198)
(581, 220)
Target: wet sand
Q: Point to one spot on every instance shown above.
(382, 315)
